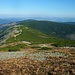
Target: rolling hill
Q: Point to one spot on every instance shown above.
(40, 32)
(36, 37)
(40, 53)
(60, 30)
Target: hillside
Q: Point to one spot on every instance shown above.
(30, 51)
(28, 34)
(38, 32)
(52, 28)
(25, 33)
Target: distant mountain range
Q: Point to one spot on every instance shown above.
(54, 19)
(6, 21)
(70, 23)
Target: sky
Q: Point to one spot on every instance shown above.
(37, 8)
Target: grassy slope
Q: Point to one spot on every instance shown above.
(31, 35)
(13, 48)
(36, 37)
(52, 28)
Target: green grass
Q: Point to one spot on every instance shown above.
(36, 47)
(30, 35)
(45, 48)
(51, 28)
(34, 36)
(13, 48)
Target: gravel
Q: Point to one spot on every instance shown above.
(9, 55)
(41, 56)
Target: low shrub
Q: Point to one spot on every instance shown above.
(35, 47)
(46, 48)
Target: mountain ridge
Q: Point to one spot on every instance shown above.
(56, 29)
(42, 32)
